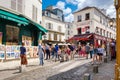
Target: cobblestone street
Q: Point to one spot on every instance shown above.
(71, 70)
(48, 72)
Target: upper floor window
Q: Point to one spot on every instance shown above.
(87, 16)
(49, 26)
(79, 19)
(68, 32)
(17, 5)
(34, 13)
(59, 28)
(87, 29)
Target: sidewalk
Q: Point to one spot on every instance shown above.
(105, 71)
(11, 68)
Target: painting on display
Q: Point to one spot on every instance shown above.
(2, 52)
(27, 40)
(29, 51)
(35, 51)
(10, 52)
(16, 51)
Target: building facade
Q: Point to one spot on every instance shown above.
(19, 22)
(54, 23)
(29, 8)
(70, 30)
(93, 20)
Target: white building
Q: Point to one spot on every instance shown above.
(55, 25)
(93, 20)
(29, 8)
(70, 30)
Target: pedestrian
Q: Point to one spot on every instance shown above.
(47, 50)
(56, 51)
(91, 50)
(23, 56)
(40, 54)
(100, 53)
(87, 49)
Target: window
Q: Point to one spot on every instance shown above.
(79, 30)
(79, 18)
(12, 35)
(55, 36)
(68, 26)
(87, 29)
(59, 37)
(50, 26)
(17, 5)
(100, 31)
(87, 16)
(13, 4)
(34, 13)
(68, 32)
(59, 28)
(49, 36)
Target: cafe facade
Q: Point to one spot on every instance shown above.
(16, 28)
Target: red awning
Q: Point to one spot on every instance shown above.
(81, 37)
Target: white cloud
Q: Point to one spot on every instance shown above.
(67, 11)
(69, 18)
(60, 5)
(111, 11)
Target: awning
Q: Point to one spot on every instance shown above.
(81, 37)
(13, 17)
(38, 26)
(21, 19)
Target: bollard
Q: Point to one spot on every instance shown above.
(22, 68)
(105, 60)
(95, 68)
(86, 76)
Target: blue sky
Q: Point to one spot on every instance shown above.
(70, 6)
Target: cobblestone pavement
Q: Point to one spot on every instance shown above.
(44, 73)
(71, 70)
(106, 72)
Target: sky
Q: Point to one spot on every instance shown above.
(70, 6)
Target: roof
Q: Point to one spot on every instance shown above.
(88, 7)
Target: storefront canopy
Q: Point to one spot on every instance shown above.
(13, 17)
(21, 19)
(81, 37)
(38, 26)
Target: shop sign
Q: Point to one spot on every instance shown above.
(83, 23)
(100, 37)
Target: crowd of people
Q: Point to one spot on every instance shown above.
(66, 52)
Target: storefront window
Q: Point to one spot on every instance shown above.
(12, 35)
(27, 40)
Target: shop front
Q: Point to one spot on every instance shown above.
(15, 29)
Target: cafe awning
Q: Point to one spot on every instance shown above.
(81, 37)
(19, 18)
(13, 17)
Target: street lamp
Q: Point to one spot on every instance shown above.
(117, 65)
(111, 22)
